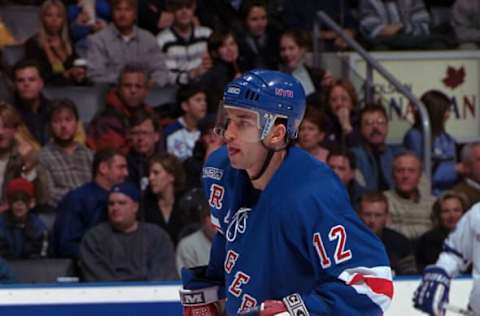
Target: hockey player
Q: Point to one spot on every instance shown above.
(459, 250)
(288, 240)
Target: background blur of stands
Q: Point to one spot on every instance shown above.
(157, 298)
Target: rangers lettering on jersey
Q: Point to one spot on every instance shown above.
(239, 280)
(216, 196)
(248, 302)
(230, 260)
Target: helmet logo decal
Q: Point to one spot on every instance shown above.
(233, 90)
(284, 92)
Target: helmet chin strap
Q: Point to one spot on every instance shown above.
(268, 159)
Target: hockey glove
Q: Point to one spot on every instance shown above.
(201, 296)
(432, 294)
(289, 306)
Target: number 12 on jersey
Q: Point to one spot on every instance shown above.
(341, 255)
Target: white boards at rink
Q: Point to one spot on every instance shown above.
(157, 298)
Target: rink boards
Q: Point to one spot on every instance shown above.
(155, 298)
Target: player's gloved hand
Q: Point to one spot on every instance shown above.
(432, 294)
(289, 306)
(202, 302)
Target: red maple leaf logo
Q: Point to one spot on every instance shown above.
(454, 77)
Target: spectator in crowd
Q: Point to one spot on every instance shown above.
(293, 45)
(144, 137)
(373, 210)
(342, 161)
(447, 211)
(470, 184)
(84, 207)
(22, 233)
(180, 136)
(342, 123)
(29, 99)
(153, 15)
(6, 274)
(67, 163)
(51, 46)
(163, 197)
(18, 155)
(6, 36)
(311, 133)
(373, 155)
(227, 65)
(221, 15)
(396, 24)
(122, 42)
(207, 143)
(109, 127)
(465, 23)
(85, 18)
(258, 44)
(303, 16)
(409, 207)
(444, 157)
(194, 249)
(184, 43)
(123, 248)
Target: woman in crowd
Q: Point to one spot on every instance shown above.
(293, 46)
(164, 195)
(311, 134)
(447, 211)
(226, 65)
(342, 117)
(444, 159)
(51, 46)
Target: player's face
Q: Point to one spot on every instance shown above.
(290, 52)
(374, 215)
(339, 98)
(374, 128)
(309, 136)
(242, 138)
(122, 211)
(133, 89)
(257, 21)
(160, 179)
(144, 138)
(64, 125)
(28, 83)
(406, 173)
(450, 213)
(341, 166)
(196, 106)
(124, 15)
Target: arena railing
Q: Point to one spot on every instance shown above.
(323, 20)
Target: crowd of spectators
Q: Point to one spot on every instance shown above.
(124, 189)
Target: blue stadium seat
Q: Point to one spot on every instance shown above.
(89, 100)
(12, 54)
(23, 21)
(42, 270)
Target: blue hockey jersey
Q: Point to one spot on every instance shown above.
(299, 235)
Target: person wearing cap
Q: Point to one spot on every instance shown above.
(180, 136)
(84, 207)
(123, 248)
(22, 233)
(67, 163)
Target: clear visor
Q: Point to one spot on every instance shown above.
(238, 123)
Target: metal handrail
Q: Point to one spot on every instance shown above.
(322, 17)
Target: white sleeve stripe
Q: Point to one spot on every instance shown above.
(216, 223)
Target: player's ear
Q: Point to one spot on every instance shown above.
(277, 136)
